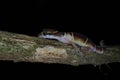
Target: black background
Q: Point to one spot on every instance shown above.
(99, 20)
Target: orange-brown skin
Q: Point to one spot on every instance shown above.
(71, 38)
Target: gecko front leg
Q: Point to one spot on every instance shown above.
(85, 44)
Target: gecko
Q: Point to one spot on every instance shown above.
(75, 39)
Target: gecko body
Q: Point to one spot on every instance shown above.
(71, 38)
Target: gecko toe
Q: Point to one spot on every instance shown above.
(77, 52)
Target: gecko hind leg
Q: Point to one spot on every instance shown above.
(76, 50)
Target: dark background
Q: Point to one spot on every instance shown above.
(99, 20)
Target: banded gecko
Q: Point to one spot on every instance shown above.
(71, 38)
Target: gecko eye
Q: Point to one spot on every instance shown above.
(46, 33)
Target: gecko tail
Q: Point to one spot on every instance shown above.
(99, 49)
(102, 44)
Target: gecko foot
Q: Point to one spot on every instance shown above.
(77, 51)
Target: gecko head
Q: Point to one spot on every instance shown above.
(48, 33)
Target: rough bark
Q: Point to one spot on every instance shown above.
(19, 47)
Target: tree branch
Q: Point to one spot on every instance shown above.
(18, 47)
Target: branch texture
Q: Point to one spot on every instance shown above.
(19, 47)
